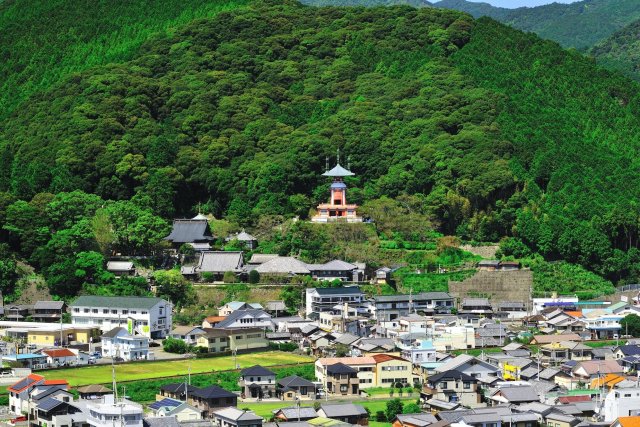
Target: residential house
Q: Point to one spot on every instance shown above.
(550, 339)
(296, 413)
(215, 264)
(176, 391)
(108, 412)
(392, 370)
(148, 316)
(93, 391)
(234, 417)
(188, 334)
(232, 306)
(633, 421)
(448, 338)
(346, 412)
(195, 232)
(257, 382)
(17, 312)
(238, 340)
(19, 393)
(336, 270)
(605, 326)
(491, 335)
(354, 372)
(621, 403)
(27, 360)
(382, 276)
(247, 319)
(390, 307)
(416, 420)
(283, 266)
(454, 387)
(477, 306)
(212, 321)
(57, 413)
(421, 352)
(369, 346)
(48, 311)
(294, 387)
(181, 411)
(469, 365)
(121, 268)
(513, 310)
(590, 369)
(341, 379)
(319, 300)
(210, 398)
(276, 308)
(623, 351)
(516, 394)
(118, 342)
(60, 357)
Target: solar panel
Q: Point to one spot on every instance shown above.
(48, 404)
(22, 384)
(164, 403)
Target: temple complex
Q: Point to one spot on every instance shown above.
(337, 209)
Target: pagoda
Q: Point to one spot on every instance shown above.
(337, 209)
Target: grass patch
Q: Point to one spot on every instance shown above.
(429, 282)
(148, 370)
(599, 344)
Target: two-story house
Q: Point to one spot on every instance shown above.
(211, 398)
(340, 379)
(118, 342)
(319, 300)
(234, 417)
(188, 334)
(146, 316)
(224, 340)
(390, 307)
(232, 306)
(257, 382)
(392, 370)
(453, 386)
(48, 311)
(52, 412)
(420, 352)
(247, 319)
(109, 412)
(365, 368)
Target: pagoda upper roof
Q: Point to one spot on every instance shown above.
(338, 171)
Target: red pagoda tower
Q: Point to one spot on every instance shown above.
(337, 209)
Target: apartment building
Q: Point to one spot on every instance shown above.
(146, 316)
(390, 307)
(319, 300)
(225, 340)
(379, 370)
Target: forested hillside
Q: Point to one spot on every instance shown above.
(45, 41)
(580, 25)
(484, 130)
(621, 51)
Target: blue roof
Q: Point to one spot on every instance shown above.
(427, 345)
(338, 185)
(24, 356)
(165, 403)
(338, 171)
(49, 403)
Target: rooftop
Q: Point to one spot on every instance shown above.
(117, 302)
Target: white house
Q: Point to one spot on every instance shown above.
(247, 319)
(624, 402)
(147, 316)
(118, 342)
(60, 357)
(106, 412)
(421, 352)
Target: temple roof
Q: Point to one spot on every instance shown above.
(338, 171)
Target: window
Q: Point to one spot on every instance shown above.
(76, 310)
(466, 385)
(114, 311)
(125, 311)
(444, 385)
(95, 310)
(343, 388)
(86, 310)
(105, 311)
(134, 312)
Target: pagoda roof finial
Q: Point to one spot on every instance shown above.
(338, 171)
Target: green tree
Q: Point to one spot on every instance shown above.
(254, 277)
(411, 408)
(171, 285)
(173, 345)
(630, 325)
(394, 407)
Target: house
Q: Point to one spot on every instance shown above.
(283, 266)
(297, 413)
(17, 312)
(382, 276)
(20, 392)
(182, 411)
(341, 379)
(469, 365)
(516, 394)
(559, 419)
(454, 387)
(623, 351)
(225, 340)
(212, 321)
(27, 360)
(190, 231)
(275, 308)
(294, 387)
(621, 403)
(188, 334)
(590, 369)
(335, 270)
(234, 417)
(320, 300)
(247, 319)
(491, 335)
(121, 268)
(108, 412)
(60, 357)
(627, 422)
(423, 351)
(374, 345)
(93, 391)
(216, 264)
(513, 309)
(488, 265)
(232, 306)
(390, 307)
(415, 420)
(210, 398)
(550, 339)
(392, 370)
(257, 382)
(148, 316)
(51, 334)
(346, 412)
(118, 342)
(48, 311)
(477, 306)
(176, 391)
(53, 412)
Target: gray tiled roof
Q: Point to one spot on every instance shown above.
(117, 302)
(283, 265)
(220, 262)
(189, 230)
(342, 410)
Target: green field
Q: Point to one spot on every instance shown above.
(265, 409)
(147, 370)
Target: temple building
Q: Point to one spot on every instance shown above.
(337, 209)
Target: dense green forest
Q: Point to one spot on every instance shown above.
(621, 51)
(453, 126)
(43, 42)
(580, 25)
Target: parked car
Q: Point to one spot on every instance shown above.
(96, 355)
